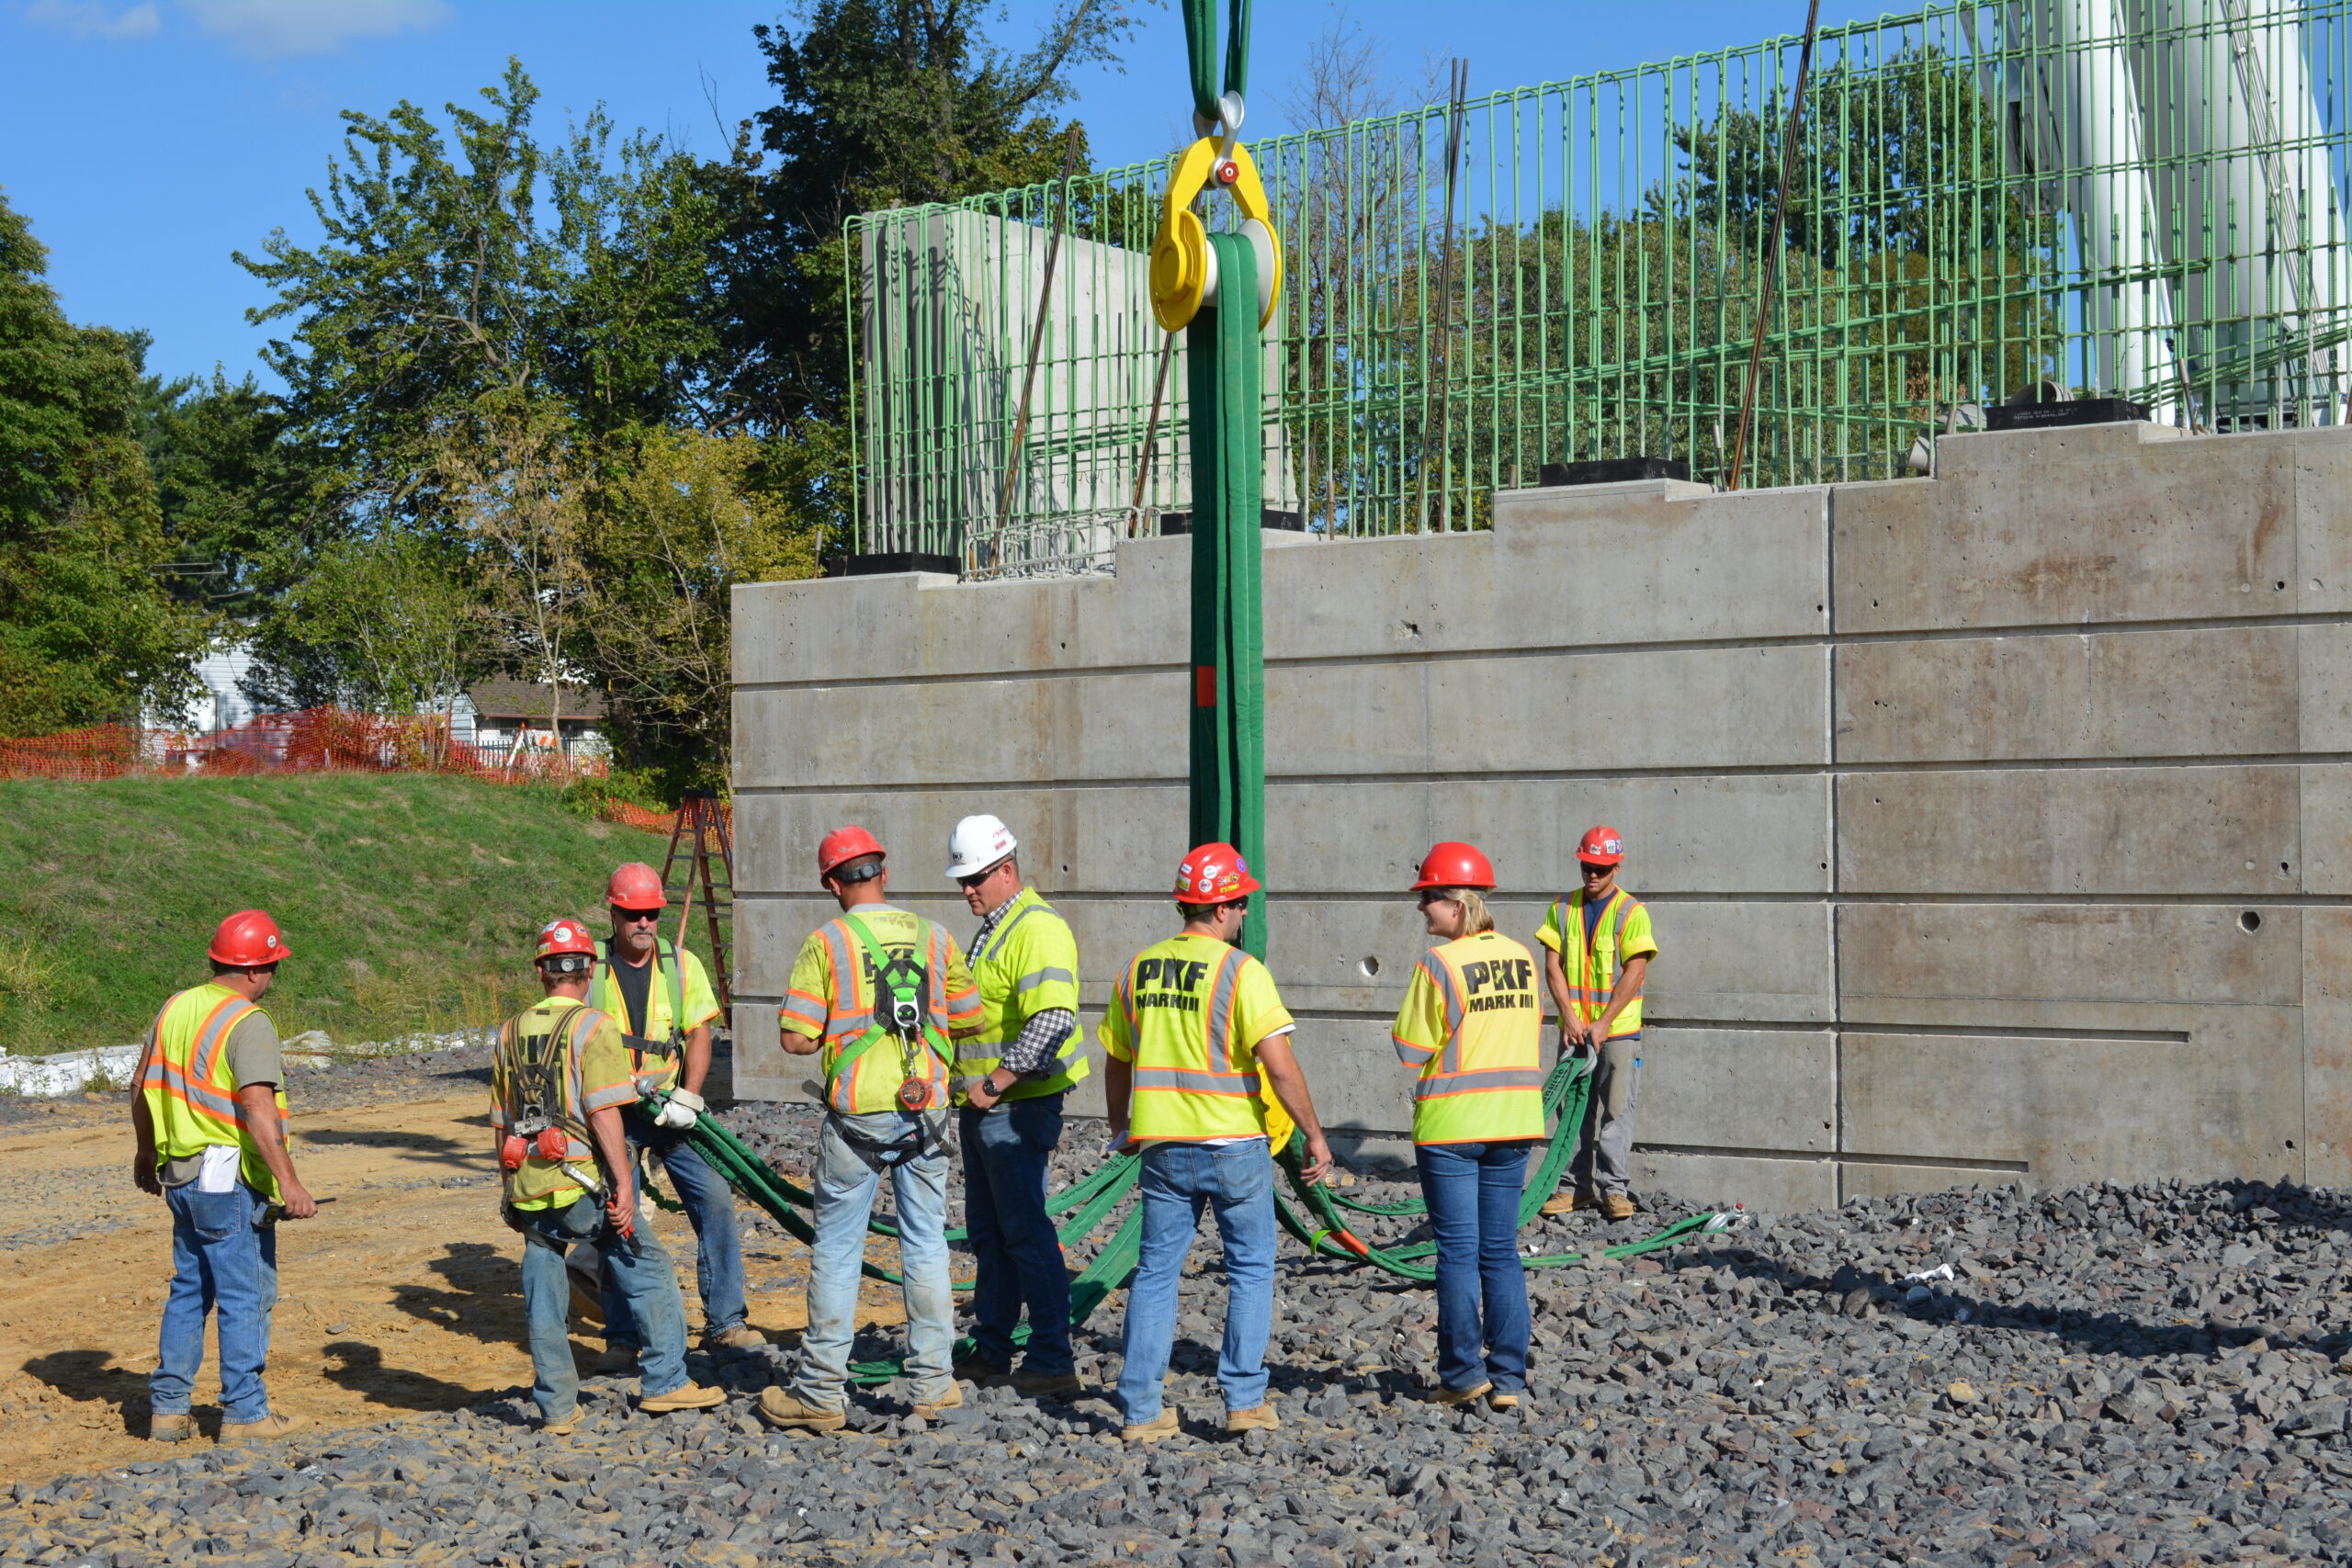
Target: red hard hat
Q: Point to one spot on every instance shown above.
(1602, 846)
(844, 844)
(565, 936)
(1452, 864)
(247, 940)
(635, 886)
(1214, 874)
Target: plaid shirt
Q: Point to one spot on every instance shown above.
(1040, 1043)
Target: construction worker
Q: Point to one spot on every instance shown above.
(661, 997)
(208, 1116)
(875, 994)
(1008, 1080)
(1196, 1037)
(557, 1086)
(1601, 948)
(1472, 1024)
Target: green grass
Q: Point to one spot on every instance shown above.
(409, 902)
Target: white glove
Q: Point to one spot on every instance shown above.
(684, 1107)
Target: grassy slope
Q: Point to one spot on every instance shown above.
(409, 902)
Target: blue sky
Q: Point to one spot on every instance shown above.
(148, 138)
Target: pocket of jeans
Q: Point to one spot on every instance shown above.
(1244, 1170)
(217, 1216)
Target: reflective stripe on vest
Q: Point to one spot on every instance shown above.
(1186, 1086)
(1003, 1012)
(876, 1075)
(571, 1027)
(1486, 1083)
(191, 1093)
(1589, 985)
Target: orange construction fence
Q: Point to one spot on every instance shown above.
(321, 740)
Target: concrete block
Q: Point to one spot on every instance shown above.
(2327, 1047)
(2322, 518)
(2227, 831)
(2066, 526)
(1765, 1185)
(1738, 1089)
(2225, 1101)
(2324, 867)
(2068, 953)
(2224, 690)
(2324, 688)
(763, 1070)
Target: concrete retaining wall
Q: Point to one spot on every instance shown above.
(1997, 826)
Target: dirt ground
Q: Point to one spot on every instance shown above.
(402, 1296)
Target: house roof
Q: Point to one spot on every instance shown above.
(533, 699)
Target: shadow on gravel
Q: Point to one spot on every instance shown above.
(485, 1297)
(90, 1375)
(427, 1148)
(359, 1367)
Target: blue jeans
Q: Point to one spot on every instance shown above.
(1016, 1256)
(639, 1267)
(1236, 1181)
(845, 1180)
(710, 1209)
(224, 1260)
(1473, 1193)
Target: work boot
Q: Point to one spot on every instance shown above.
(1048, 1385)
(778, 1409)
(1257, 1419)
(741, 1336)
(614, 1361)
(562, 1425)
(270, 1426)
(929, 1409)
(1160, 1426)
(1498, 1400)
(1459, 1396)
(980, 1371)
(1568, 1202)
(175, 1428)
(1617, 1206)
(686, 1396)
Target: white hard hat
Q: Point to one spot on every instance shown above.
(977, 843)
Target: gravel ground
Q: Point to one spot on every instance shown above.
(2143, 1375)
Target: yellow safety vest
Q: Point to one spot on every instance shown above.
(1029, 965)
(1592, 972)
(1196, 1075)
(1472, 1021)
(190, 1091)
(668, 1048)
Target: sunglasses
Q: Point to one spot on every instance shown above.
(1434, 896)
(1592, 870)
(968, 882)
(637, 916)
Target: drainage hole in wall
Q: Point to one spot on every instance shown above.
(2251, 920)
(1368, 968)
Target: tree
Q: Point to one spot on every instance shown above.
(390, 618)
(88, 630)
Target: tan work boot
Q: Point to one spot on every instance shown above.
(1048, 1385)
(562, 1425)
(742, 1337)
(172, 1429)
(1160, 1426)
(929, 1409)
(686, 1396)
(1499, 1401)
(778, 1409)
(615, 1360)
(271, 1425)
(1616, 1206)
(1568, 1202)
(1444, 1396)
(1257, 1419)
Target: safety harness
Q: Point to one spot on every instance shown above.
(540, 1119)
(901, 991)
(665, 958)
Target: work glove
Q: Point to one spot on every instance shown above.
(683, 1109)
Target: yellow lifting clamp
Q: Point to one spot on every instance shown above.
(1183, 269)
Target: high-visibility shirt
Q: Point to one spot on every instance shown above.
(678, 986)
(830, 995)
(1620, 931)
(191, 1089)
(556, 1062)
(1190, 1013)
(1028, 965)
(1472, 1021)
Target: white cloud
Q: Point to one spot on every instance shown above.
(273, 29)
(94, 18)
